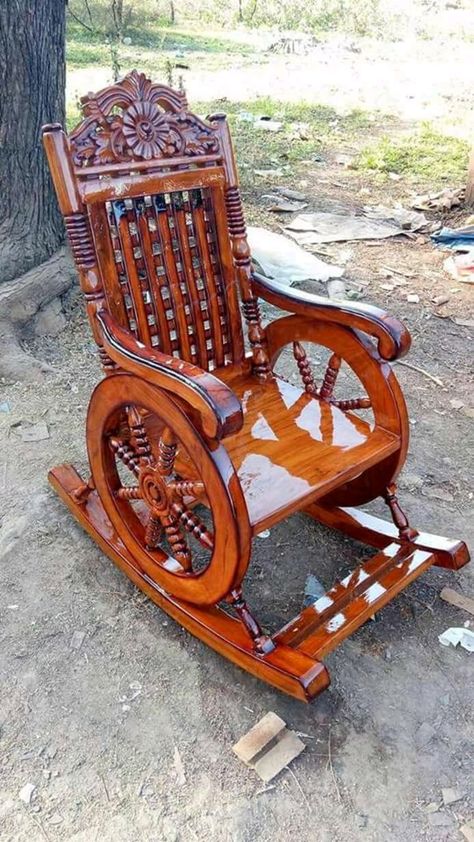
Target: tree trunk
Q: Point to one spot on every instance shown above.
(469, 200)
(32, 84)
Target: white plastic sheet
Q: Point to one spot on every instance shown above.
(280, 258)
(455, 636)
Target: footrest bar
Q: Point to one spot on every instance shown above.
(320, 627)
(377, 532)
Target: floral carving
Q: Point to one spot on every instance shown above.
(137, 119)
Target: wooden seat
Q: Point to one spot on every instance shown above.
(195, 443)
(293, 448)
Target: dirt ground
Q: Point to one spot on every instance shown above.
(105, 731)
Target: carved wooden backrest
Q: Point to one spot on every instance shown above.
(151, 203)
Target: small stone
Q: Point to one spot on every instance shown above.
(388, 654)
(437, 492)
(440, 820)
(410, 481)
(264, 534)
(35, 432)
(47, 774)
(456, 404)
(432, 807)
(424, 734)
(467, 830)
(412, 298)
(26, 793)
(77, 640)
(125, 708)
(336, 289)
(361, 820)
(451, 795)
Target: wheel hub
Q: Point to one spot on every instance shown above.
(154, 489)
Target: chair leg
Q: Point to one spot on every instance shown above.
(376, 532)
(261, 642)
(405, 531)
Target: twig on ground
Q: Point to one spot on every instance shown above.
(421, 371)
(105, 787)
(331, 768)
(300, 788)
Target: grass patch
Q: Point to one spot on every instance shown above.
(255, 149)
(425, 154)
(150, 46)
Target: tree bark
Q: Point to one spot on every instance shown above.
(32, 85)
(469, 199)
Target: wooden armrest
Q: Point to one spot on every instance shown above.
(220, 410)
(393, 337)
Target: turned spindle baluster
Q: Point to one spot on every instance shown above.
(305, 369)
(153, 532)
(167, 447)
(126, 454)
(352, 403)
(187, 488)
(241, 253)
(78, 229)
(139, 435)
(132, 493)
(262, 643)
(406, 532)
(177, 541)
(194, 525)
(330, 377)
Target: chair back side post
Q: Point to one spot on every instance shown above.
(78, 228)
(241, 251)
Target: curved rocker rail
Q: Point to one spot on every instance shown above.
(294, 665)
(292, 672)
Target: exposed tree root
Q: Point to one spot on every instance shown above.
(20, 300)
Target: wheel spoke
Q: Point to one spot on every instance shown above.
(304, 367)
(330, 377)
(139, 436)
(167, 447)
(194, 525)
(353, 403)
(131, 492)
(187, 488)
(126, 454)
(177, 541)
(153, 531)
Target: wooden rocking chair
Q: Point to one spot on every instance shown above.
(195, 444)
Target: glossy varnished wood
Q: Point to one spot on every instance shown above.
(377, 532)
(293, 448)
(295, 674)
(195, 445)
(349, 603)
